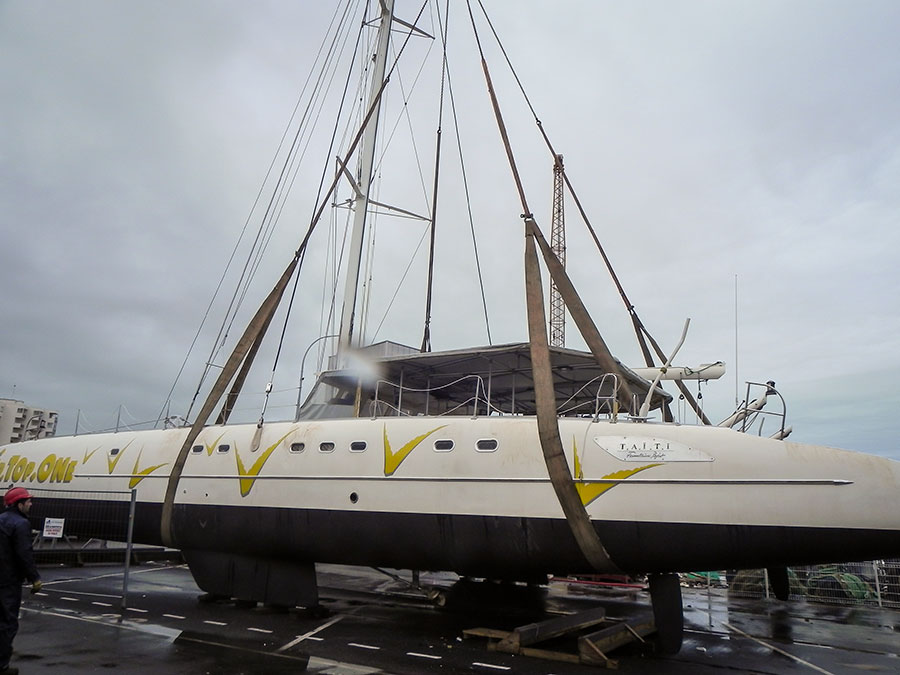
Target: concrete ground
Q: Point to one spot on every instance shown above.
(376, 624)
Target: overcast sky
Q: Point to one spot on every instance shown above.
(745, 145)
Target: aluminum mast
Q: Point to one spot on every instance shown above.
(366, 164)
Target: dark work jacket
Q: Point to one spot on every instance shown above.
(16, 557)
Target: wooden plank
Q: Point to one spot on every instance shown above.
(491, 633)
(607, 639)
(551, 628)
(589, 653)
(551, 655)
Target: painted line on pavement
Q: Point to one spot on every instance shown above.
(309, 635)
(777, 650)
(424, 656)
(118, 624)
(69, 590)
(185, 638)
(112, 574)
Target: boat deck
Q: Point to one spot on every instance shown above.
(376, 624)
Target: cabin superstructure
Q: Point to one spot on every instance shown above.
(392, 379)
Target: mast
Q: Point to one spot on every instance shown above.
(361, 200)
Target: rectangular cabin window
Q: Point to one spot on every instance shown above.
(358, 446)
(486, 445)
(443, 445)
(298, 447)
(326, 446)
(224, 448)
(197, 449)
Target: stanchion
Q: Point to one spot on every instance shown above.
(128, 544)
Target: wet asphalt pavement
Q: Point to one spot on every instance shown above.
(377, 624)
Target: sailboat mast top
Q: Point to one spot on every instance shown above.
(366, 165)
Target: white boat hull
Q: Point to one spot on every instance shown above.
(662, 497)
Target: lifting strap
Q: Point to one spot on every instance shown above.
(254, 329)
(548, 427)
(579, 313)
(231, 399)
(545, 396)
(246, 348)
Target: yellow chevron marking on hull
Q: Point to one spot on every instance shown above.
(590, 491)
(212, 446)
(140, 475)
(393, 460)
(112, 461)
(248, 476)
(88, 455)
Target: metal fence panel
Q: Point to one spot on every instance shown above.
(872, 583)
(98, 515)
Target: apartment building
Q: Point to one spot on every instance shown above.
(19, 422)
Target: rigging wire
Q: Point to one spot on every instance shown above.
(327, 322)
(290, 167)
(358, 52)
(287, 317)
(371, 189)
(332, 240)
(400, 283)
(465, 180)
(323, 201)
(376, 98)
(297, 160)
(353, 146)
(295, 156)
(404, 114)
(294, 170)
(641, 332)
(233, 307)
(426, 332)
(385, 142)
(367, 277)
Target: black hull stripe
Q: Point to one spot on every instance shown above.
(476, 545)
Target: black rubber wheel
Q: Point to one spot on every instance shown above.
(779, 581)
(665, 594)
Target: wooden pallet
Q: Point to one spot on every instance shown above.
(593, 647)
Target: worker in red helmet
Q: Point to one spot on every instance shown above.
(16, 565)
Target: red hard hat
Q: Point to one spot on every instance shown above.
(15, 495)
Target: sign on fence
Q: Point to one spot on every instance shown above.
(53, 528)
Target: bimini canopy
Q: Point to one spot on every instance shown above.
(392, 379)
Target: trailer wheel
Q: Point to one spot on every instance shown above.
(665, 595)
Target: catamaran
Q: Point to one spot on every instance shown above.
(509, 461)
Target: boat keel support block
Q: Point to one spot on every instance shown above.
(247, 578)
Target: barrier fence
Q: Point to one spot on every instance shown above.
(82, 521)
(873, 583)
